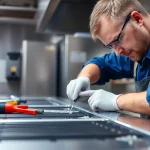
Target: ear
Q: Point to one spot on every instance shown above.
(137, 17)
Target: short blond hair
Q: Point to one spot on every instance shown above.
(112, 9)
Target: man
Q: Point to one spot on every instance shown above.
(124, 26)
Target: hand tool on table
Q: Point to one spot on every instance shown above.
(84, 94)
(17, 100)
(6, 108)
(13, 102)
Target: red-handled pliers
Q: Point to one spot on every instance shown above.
(9, 108)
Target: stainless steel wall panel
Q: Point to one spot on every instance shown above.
(39, 69)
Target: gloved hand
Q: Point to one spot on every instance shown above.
(101, 99)
(76, 86)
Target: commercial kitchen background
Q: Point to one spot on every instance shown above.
(43, 45)
(54, 41)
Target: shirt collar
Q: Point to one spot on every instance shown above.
(146, 56)
(148, 53)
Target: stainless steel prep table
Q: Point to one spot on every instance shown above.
(77, 131)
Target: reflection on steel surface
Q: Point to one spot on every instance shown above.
(60, 111)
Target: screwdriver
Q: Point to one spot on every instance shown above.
(16, 100)
(13, 102)
(85, 94)
(72, 105)
(6, 108)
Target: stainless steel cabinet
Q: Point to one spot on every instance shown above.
(39, 69)
(74, 52)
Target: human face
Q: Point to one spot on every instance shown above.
(132, 40)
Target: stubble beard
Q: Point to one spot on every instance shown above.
(142, 45)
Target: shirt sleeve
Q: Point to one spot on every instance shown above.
(112, 67)
(148, 94)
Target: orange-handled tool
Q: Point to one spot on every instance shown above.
(9, 108)
(13, 102)
(16, 102)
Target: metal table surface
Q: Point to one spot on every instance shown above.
(80, 130)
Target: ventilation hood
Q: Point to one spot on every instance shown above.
(64, 16)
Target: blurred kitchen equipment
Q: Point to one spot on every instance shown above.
(38, 69)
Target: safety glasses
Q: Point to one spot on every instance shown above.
(117, 40)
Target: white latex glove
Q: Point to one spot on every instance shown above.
(101, 99)
(76, 86)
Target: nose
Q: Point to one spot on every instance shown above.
(118, 50)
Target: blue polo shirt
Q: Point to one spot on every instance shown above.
(118, 67)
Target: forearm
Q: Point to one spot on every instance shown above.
(90, 71)
(134, 102)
